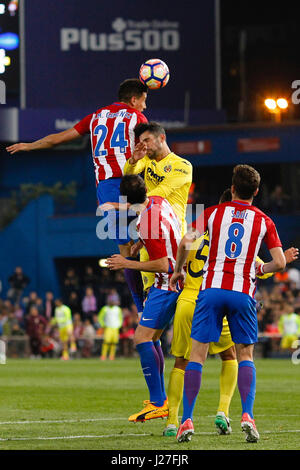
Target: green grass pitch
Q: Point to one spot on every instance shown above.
(85, 404)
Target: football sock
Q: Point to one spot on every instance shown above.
(151, 369)
(104, 350)
(247, 385)
(112, 351)
(135, 285)
(157, 345)
(192, 383)
(228, 381)
(175, 392)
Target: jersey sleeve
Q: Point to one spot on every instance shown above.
(271, 238)
(83, 126)
(135, 169)
(181, 173)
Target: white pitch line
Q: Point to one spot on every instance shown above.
(91, 420)
(39, 438)
(55, 438)
(61, 421)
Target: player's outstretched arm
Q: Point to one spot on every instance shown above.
(278, 262)
(160, 265)
(46, 142)
(182, 254)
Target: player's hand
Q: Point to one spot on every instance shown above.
(176, 277)
(139, 152)
(21, 147)
(291, 254)
(107, 206)
(116, 262)
(135, 249)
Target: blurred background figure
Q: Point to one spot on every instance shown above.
(110, 319)
(35, 328)
(89, 304)
(88, 337)
(17, 281)
(289, 327)
(63, 319)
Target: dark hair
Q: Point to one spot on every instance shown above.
(152, 127)
(245, 180)
(226, 196)
(134, 188)
(131, 87)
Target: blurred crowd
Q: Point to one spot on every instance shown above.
(38, 317)
(99, 301)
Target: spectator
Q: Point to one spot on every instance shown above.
(30, 301)
(35, 328)
(111, 319)
(49, 305)
(105, 286)
(70, 283)
(74, 303)
(88, 336)
(90, 279)
(18, 281)
(89, 304)
(294, 276)
(127, 333)
(279, 201)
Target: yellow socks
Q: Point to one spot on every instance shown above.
(228, 381)
(175, 392)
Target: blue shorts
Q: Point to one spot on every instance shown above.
(213, 304)
(119, 223)
(159, 308)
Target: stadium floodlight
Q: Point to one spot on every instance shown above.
(276, 106)
(270, 103)
(282, 103)
(102, 263)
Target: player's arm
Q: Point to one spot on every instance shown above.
(182, 254)
(291, 254)
(160, 265)
(278, 262)
(180, 174)
(47, 142)
(136, 163)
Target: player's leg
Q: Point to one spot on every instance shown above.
(105, 343)
(242, 321)
(114, 344)
(180, 348)
(158, 312)
(228, 377)
(206, 327)
(118, 229)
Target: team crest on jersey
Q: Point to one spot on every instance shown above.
(168, 168)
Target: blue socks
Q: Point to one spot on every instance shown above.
(151, 366)
(247, 385)
(157, 345)
(192, 383)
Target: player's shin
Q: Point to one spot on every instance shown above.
(247, 386)
(192, 383)
(150, 365)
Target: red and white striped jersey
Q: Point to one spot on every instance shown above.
(236, 231)
(160, 231)
(111, 130)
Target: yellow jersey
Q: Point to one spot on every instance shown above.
(194, 268)
(169, 178)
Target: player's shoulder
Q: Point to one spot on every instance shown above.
(180, 164)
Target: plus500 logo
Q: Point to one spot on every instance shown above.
(128, 40)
